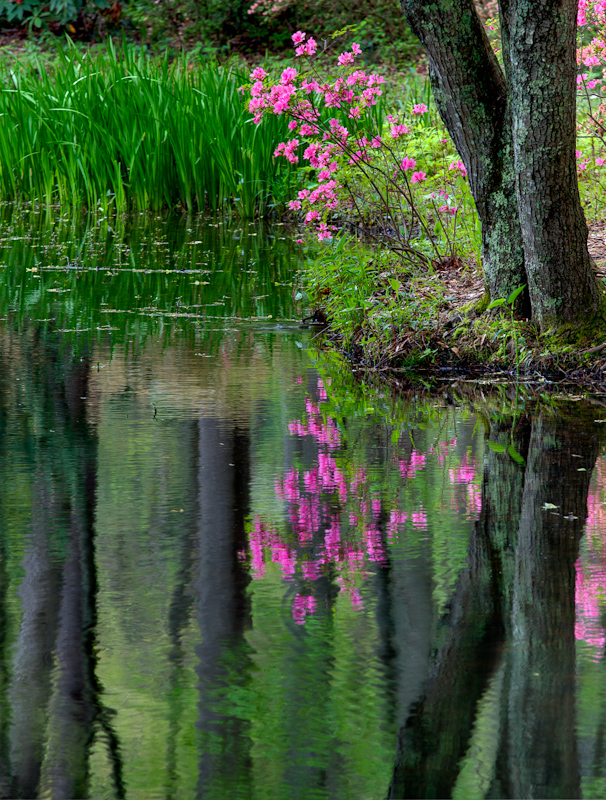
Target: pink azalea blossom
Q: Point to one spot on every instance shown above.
(398, 130)
(311, 47)
(258, 74)
(417, 177)
(288, 76)
(408, 163)
(459, 166)
(419, 108)
(345, 59)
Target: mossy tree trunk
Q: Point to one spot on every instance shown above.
(515, 132)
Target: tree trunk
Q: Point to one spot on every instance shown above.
(516, 135)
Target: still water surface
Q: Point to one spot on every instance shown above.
(228, 570)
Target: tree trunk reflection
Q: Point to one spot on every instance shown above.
(223, 613)
(53, 692)
(515, 599)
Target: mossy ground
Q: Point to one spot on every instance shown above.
(436, 322)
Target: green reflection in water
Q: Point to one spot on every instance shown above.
(287, 576)
(138, 276)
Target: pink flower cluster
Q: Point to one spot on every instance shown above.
(588, 9)
(331, 144)
(269, 8)
(302, 47)
(458, 165)
(592, 18)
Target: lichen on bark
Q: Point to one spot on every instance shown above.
(515, 132)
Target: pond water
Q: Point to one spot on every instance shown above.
(227, 569)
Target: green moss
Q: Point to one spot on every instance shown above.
(482, 304)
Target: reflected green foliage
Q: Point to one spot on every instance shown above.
(229, 569)
(95, 277)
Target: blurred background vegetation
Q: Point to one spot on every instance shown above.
(220, 28)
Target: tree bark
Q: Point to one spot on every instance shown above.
(515, 133)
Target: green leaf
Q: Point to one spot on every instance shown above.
(515, 455)
(498, 448)
(495, 303)
(513, 296)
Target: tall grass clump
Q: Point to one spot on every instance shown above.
(121, 129)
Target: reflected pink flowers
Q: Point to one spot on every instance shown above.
(338, 526)
(419, 519)
(589, 594)
(590, 585)
(302, 606)
(464, 473)
(323, 431)
(415, 463)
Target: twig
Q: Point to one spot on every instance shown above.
(594, 349)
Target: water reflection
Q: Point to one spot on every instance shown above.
(497, 716)
(223, 609)
(53, 697)
(226, 571)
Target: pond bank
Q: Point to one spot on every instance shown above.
(435, 326)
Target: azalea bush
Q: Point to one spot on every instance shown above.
(591, 58)
(395, 175)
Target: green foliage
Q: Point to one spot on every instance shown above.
(121, 129)
(38, 14)
(379, 25)
(372, 301)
